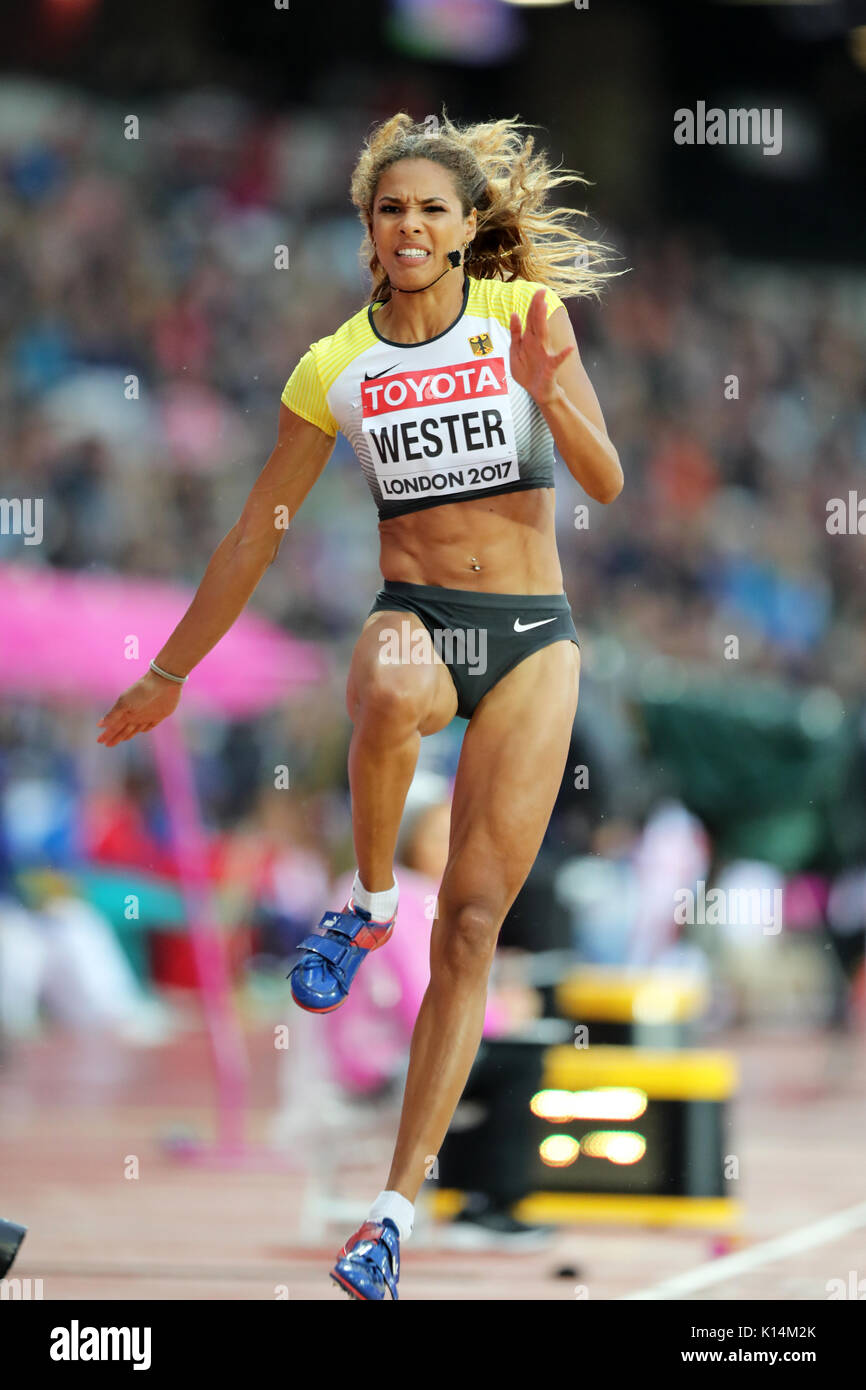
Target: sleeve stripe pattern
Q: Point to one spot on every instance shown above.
(303, 394)
(306, 391)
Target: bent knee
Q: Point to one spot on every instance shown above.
(390, 695)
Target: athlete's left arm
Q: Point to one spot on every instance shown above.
(570, 406)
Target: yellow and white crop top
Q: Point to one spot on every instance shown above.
(432, 422)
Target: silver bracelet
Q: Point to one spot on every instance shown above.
(180, 679)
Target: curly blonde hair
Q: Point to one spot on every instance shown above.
(498, 172)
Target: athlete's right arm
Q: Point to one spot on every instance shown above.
(297, 461)
(235, 569)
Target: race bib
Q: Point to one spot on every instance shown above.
(441, 430)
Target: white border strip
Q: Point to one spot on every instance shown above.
(806, 1238)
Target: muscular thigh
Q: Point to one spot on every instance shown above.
(394, 657)
(511, 765)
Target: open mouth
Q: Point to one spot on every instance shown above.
(415, 257)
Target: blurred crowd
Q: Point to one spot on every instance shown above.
(147, 336)
(736, 395)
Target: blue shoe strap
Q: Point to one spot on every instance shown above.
(391, 1241)
(390, 1238)
(388, 1267)
(342, 924)
(338, 953)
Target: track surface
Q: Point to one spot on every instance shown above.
(75, 1110)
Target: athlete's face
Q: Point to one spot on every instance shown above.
(416, 205)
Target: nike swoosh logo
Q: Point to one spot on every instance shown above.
(524, 627)
(367, 377)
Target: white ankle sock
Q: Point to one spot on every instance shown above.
(400, 1210)
(381, 906)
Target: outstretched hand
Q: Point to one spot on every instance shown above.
(139, 709)
(532, 365)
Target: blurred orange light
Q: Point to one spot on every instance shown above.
(559, 1150)
(617, 1146)
(598, 1103)
(555, 1106)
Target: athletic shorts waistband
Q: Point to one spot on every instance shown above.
(473, 597)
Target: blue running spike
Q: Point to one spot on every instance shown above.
(322, 978)
(368, 1266)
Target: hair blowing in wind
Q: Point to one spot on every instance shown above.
(498, 171)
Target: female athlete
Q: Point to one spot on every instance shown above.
(453, 388)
